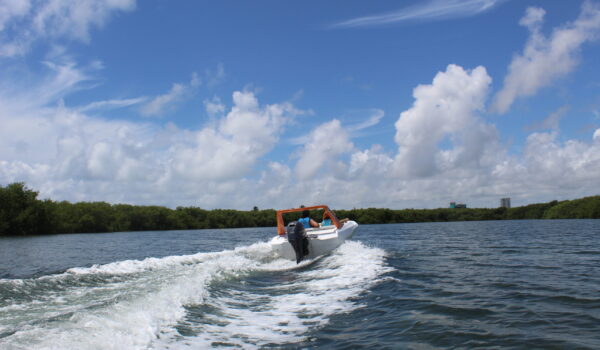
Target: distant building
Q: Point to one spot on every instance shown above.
(505, 202)
(455, 205)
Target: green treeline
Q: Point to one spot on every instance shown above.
(21, 213)
(583, 208)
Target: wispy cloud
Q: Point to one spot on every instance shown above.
(431, 10)
(214, 106)
(215, 77)
(180, 92)
(59, 76)
(374, 119)
(352, 129)
(159, 105)
(112, 104)
(551, 122)
(24, 22)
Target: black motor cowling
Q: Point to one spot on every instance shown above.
(296, 235)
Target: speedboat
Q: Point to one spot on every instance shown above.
(296, 242)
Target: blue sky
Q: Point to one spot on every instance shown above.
(353, 104)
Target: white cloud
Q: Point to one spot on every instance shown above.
(12, 9)
(353, 130)
(64, 76)
(370, 163)
(24, 22)
(158, 105)
(68, 155)
(446, 151)
(475, 168)
(62, 145)
(214, 106)
(534, 16)
(546, 59)
(374, 119)
(562, 166)
(444, 110)
(61, 76)
(431, 10)
(547, 169)
(324, 144)
(230, 149)
(112, 104)
(162, 104)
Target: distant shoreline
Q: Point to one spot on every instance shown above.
(22, 214)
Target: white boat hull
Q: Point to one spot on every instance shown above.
(321, 241)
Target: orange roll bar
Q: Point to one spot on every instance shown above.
(326, 213)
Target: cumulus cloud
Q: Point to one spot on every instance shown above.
(69, 155)
(431, 10)
(443, 110)
(22, 22)
(161, 104)
(63, 145)
(550, 165)
(447, 152)
(230, 149)
(543, 59)
(370, 163)
(324, 144)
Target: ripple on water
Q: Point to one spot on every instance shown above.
(486, 285)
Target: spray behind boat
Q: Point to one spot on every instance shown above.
(296, 235)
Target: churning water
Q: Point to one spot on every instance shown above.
(508, 284)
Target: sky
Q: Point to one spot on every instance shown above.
(274, 104)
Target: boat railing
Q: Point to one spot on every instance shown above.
(327, 213)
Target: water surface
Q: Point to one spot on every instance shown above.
(502, 284)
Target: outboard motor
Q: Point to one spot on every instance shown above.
(297, 237)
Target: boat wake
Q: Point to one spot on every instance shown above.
(243, 297)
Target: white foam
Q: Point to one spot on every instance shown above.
(139, 309)
(135, 310)
(319, 293)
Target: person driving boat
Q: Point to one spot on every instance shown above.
(307, 221)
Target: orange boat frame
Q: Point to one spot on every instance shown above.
(327, 213)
